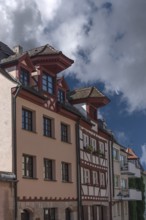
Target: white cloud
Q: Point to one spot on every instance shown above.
(143, 156)
(122, 137)
(107, 41)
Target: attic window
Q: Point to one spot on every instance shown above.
(47, 83)
(61, 95)
(24, 77)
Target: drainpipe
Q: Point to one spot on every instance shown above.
(79, 200)
(111, 187)
(14, 146)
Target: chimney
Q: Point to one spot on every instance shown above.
(18, 49)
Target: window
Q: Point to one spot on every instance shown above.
(27, 119)
(47, 83)
(48, 126)
(95, 178)
(50, 214)
(85, 140)
(93, 143)
(64, 132)
(66, 172)
(116, 181)
(61, 95)
(123, 183)
(123, 160)
(67, 214)
(102, 180)
(24, 77)
(101, 147)
(86, 176)
(28, 165)
(115, 154)
(49, 169)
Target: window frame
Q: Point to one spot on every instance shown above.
(66, 172)
(48, 127)
(85, 140)
(50, 212)
(49, 169)
(28, 166)
(116, 154)
(24, 76)
(116, 181)
(102, 179)
(61, 95)
(95, 177)
(124, 183)
(47, 83)
(27, 119)
(65, 133)
(93, 143)
(86, 176)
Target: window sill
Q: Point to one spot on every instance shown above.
(49, 137)
(30, 178)
(34, 132)
(66, 142)
(63, 181)
(49, 180)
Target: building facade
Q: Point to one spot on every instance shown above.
(123, 171)
(41, 151)
(59, 161)
(93, 155)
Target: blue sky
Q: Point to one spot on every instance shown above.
(106, 39)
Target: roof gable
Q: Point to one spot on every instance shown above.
(62, 83)
(88, 95)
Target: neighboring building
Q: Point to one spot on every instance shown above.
(93, 155)
(7, 201)
(42, 148)
(136, 186)
(144, 180)
(120, 183)
(125, 168)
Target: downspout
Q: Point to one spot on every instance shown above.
(14, 146)
(79, 200)
(111, 187)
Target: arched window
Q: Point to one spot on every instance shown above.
(67, 214)
(25, 215)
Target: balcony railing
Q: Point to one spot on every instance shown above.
(129, 194)
(130, 169)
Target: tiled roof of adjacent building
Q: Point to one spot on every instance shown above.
(74, 110)
(43, 50)
(5, 51)
(90, 92)
(132, 154)
(38, 51)
(11, 58)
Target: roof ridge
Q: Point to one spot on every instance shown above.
(44, 47)
(91, 91)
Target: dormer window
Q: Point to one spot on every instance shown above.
(47, 83)
(24, 77)
(61, 95)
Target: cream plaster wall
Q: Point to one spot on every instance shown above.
(6, 201)
(36, 144)
(5, 124)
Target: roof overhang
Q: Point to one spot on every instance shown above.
(55, 63)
